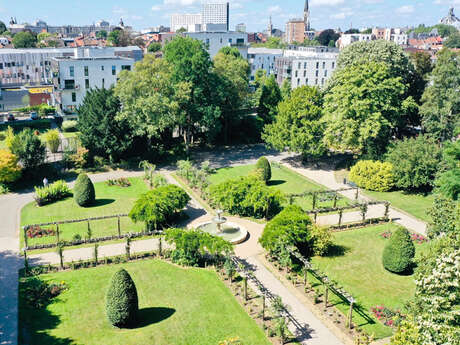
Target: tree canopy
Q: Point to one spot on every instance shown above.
(270, 96)
(24, 39)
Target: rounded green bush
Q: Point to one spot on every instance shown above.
(83, 192)
(399, 252)
(263, 165)
(122, 304)
(373, 175)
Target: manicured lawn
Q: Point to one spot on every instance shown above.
(177, 307)
(70, 134)
(283, 178)
(109, 201)
(357, 267)
(414, 204)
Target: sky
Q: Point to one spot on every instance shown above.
(255, 14)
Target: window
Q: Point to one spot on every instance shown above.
(74, 97)
(103, 82)
(304, 73)
(317, 65)
(306, 81)
(230, 41)
(102, 68)
(300, 65)
(324, 64)
(114, 70)
(316, 81)
(87, 83)
(325, 72)
(296, 73)
(298, 82)
(305, 65)
(316, 74)
(69, 84)
(86, 71)
(322, 81)
(126, 68)
(333, 64)
(72, 71)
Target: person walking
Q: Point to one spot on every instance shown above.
(45, 182)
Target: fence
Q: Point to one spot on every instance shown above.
(81, 231)
(334, 195)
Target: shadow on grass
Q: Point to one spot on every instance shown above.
(336, 250)
(275, 182)
(150, 316)
(101, 202)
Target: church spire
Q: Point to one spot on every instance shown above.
(306, 9)
(306, 16)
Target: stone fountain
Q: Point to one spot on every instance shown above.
(219, 226)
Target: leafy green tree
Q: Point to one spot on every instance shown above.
(120, 38)
(448, 181)
(101, 132)
(272, 43)
(298, 124)
(154, 47)
(373, 175)
(440, 108)
(445, 217)
(399, 252)
(24, 39)
(52, 140)
(10, 171)
(191, 71)
(364, 108)
(122, 303)
(29, 149)
(453, 41)
(2, 27)
(326, 36)
(83, 192)
(415, 162)
(269, 99)
(233, 74)
(286, 89)
(263, 166)
(101, 34)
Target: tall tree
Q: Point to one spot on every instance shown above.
(2, 27)
(270, 96)
(101, 133)
(24, 39)
(191, 66)
(364, 108)
(233, 73)
(298, 125)
(453, 41)
(326, 36)
(29, 149)
(441, 103)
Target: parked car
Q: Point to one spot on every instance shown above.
(10, 118)
(33, 115)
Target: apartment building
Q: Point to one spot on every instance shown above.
(264, 59)
(87, 68)
(215, 16)
(189, 22)
(346, 39)
(295, 31)
(32, 66)
(214, 41)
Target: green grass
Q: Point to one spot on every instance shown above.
(70, 134)
(416, 205)
(357, 266)
(285, 179)
(109, 201)
(177, 307)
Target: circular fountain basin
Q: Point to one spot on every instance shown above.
(230, 232)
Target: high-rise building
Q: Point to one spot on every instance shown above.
(189, 22)
(215, 16)
(295, 31)
(240, 27)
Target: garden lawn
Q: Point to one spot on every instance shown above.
(70, 134)
(416, 205)
(357, 267)
(285, 179)
(109, 201)
(178, 306)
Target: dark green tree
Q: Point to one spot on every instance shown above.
(298, 125)
(326, 36)
(264, 168)
(445, 217)
(448, 181)
(29, 149)
(122, 304)
(423, 67)
(415, 162)
(269, 98)
(2, 27)
(440, 108)
(101, 132)
(399, 252)
(102, 34)
(453, 41)
(154, 47)
(191, 66)
(24, 39)
(83, 192)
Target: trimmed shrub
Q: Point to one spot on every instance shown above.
(122, 304)
(159, 206)
(52, 140)
(83, 192)
(263, 165)
(69, 126)
(247, 197)
(51, 193)
(399, 252)
(373, 175)
(10, 171)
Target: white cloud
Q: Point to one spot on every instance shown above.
(407, 9)
(181, 2)
(156, 8)
(276, 8)
(344, 13)
(326, 2)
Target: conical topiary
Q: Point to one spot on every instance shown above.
(263, 166)
(122, 304)
(83, 192)
(398, 252)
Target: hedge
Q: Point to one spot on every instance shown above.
(399, 252)
(20, 125)
(84, 193)
(373, 175)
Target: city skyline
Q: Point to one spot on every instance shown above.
(324, 13)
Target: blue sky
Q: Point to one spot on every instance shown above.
(146, 13)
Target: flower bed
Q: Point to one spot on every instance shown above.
(416, 238)
(37, 231)
(386, 316)
(120, 182)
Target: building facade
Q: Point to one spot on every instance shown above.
(295, 31)
(88, 68)
(346, 39)
(214, 41)
(189, 22)
(215, 16)
(264, 59)
(240, 27)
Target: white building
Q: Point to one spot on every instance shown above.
(189, 22)
(264, 59)
(32, 66)
(240, 27)
(214, 41)
(88, 68)
(215, 16)
(346, 39)
(397, 36)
